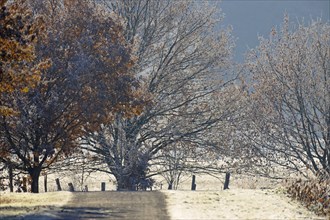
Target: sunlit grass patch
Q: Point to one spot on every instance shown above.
(31, 199)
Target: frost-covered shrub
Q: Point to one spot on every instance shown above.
(313, 193)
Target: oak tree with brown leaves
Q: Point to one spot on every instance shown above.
(19, 32)
(88, 81)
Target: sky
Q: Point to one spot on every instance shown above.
(253, 18)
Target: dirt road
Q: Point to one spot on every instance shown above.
(180, 204)
(106, 205)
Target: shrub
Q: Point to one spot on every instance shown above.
(313, 193)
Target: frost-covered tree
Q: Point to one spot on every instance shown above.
(181, 57)
(290, 107)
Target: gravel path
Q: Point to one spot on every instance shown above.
(107, 205)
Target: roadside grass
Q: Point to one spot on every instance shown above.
(235, 204)
(14, 204)
(34, 199)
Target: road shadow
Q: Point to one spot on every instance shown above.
(101, 205)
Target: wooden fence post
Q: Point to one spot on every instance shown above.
(45, 182)
(10, 173)
(58, 184)
(226, 185)
(103, 186)
(71, 188)
(24, 187)
(193, 184)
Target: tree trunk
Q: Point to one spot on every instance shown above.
(132, 175)
(227, 178)
(34, 174)
(125, 183)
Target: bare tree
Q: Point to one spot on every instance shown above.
(213, 151)
(182, 56)
(174, 163)
(290, 120)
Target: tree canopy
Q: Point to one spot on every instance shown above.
(19, 32)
